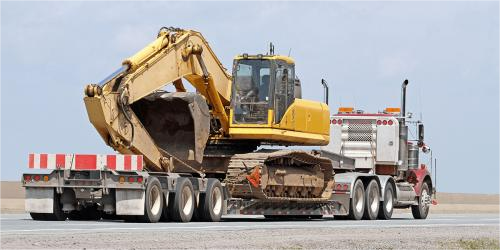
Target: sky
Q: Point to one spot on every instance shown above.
(449, 51)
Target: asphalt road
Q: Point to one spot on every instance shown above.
(437, 231)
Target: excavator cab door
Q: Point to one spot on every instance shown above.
(283, 89)
(251, 91)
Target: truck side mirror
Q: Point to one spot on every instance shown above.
(420, 134)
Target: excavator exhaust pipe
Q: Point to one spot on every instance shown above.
(178, 122)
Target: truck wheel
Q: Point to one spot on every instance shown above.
(86, 213)
(167, 201)
(357, 206)
(372, 200)
(57, 213)
(387, 205)
(153, 202)
(183, 202)
(37, 216)
(211, 202)
(421, 210)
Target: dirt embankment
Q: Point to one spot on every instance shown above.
(12, 201)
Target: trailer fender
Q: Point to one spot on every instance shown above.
(39, 200)
(129, 202)
(351, 177)
(383, 181)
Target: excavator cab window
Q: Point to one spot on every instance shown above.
(251, 91)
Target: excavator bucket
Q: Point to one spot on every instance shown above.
(178, 122)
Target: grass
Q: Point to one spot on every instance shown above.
(475, 244)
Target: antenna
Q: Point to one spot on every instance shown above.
(271, 48)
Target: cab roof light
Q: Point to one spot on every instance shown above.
(346, 109)
(392, 110)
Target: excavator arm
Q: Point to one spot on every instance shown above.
(133, 115)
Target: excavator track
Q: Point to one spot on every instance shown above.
(245, 170)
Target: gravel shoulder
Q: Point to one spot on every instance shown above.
(320, 238)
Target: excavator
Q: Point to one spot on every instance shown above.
(196, 142)
(221, 128)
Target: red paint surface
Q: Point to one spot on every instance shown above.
(31, 161)
(85, 161)
(43, 160)
(111, 161)
(60, 160)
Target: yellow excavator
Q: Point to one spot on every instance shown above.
(219, 129)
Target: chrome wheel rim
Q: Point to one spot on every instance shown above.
(423, 200)
(359, 199)
(217, 200)
(374, 199)
(388, 201)
(187, 200)
(155, 200)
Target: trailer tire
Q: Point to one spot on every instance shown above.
(167, 201)
(57, 212)
(357, 206)
(183, 201)
(421, 210)
(86, 213)
(211, 202)
(372, 200)
(387, 205)
(153, 202)
(37, 216)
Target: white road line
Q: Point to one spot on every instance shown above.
(233, 227)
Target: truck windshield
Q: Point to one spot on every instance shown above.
(251, 91)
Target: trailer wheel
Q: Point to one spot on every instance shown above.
(372, 200)
(357, 206)
(56, 215)
(183, 202)
(211, 202)
(167, 201)
(37, 216)
(387, 205)
(153, 202)
(421, 210)
(86, 213)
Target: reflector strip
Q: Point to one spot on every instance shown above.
(86, 162)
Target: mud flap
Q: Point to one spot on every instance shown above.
(130, 202)
(178, 122)
(39, 200)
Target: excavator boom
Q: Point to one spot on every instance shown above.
(133, 114)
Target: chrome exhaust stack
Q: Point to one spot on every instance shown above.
(403, 133)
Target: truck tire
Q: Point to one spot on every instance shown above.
(86, 213)
(37, 216)
(387, 205)
(372, 200)
(153, 202)
(182, 207)
(211, 202)
(357, 207)
(421, 210)
(167, 201)
(57, 213)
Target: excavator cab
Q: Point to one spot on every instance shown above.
(266, 104)
(263, 89)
